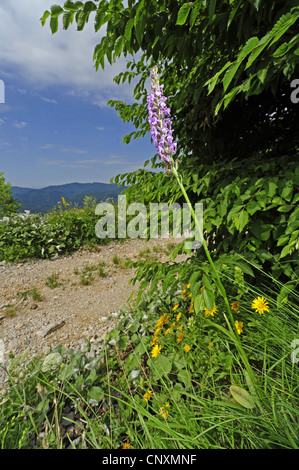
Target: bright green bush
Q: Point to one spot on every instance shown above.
(36, 236)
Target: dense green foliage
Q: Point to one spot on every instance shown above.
(8, 204)
(43, 236)
(252, 213)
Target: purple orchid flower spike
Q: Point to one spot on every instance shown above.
(160, 122)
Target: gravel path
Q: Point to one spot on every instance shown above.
(71, 312)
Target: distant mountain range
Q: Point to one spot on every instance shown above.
(44, 199)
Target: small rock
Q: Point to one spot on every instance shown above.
(50, 328)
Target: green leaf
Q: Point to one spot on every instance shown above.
(231, 72)
(252, 207)
(208, 298)
(71, 6)
(54, 25)
(241, 220)
(242, 396)
(128, 29)
(212, 7)
(198, 303)
(44, 17)
(194, 13)
(159, 366)
(67, 19)
(183, 13)
(95, 393)
(118, 46)
(139, 24)
(185, 376)
(56, 10)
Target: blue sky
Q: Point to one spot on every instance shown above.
(55, 124)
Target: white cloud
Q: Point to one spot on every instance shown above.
(65, 149)
(48, 100)
(63, 59)
(20, 125)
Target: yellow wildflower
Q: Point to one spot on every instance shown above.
(191, 306)
(183, 293)
(155, 340)
(175, 307)
(163, 410)
(156, 350)
(157, 331)
(210, 312)
(187, 348)
(178, 316)
(127, 445)
(260, 305)
(180, 327)
(147, 395)
(168, 331)
(235, 306)
(188, 286)
(239, 326)
(211, 344)
(160, 322)
(180, 337)
(63, 201)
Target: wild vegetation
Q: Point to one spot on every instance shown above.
(207, 357)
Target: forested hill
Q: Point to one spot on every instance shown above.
(44, 199)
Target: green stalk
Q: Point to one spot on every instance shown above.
(220, 286)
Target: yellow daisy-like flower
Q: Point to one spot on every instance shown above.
(156, 350)
(167, 319)
(161, 320)
(163, 410)
(187, 348)
(180, 327)
(191, 306)
(188, 286)
(155, 341)
(190, 295)
(183, 294)
(175, 307)
(168, 331)
(127, 445)
(210, 312)
(178, 316)
(211, 344)
(147, 395)
(260, 305)
(180, 337)
(239, 326)
(157, 331)
(235, 306)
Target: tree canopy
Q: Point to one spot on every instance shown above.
(226, 65)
